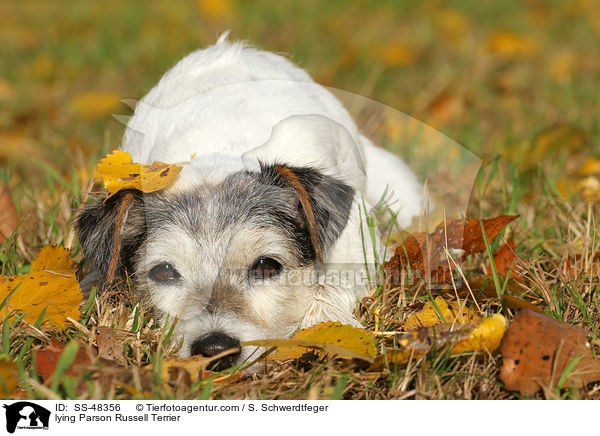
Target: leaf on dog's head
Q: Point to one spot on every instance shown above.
(332, 337)
(51, 285)
(119, 172)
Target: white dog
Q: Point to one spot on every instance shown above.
(260, 234)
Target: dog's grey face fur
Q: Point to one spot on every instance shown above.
(230, 259)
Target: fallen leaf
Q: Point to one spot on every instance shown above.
(553, 142)
(332, 337)
(9, 376)
(463, 236)
(505, 259)
(590, 167)
(397, 54)
(109, 345)
(216, 9)
(93, 105)
(56, 290)
(53, 258)
(119, 172)
(562, 65)
(536, 351)
(453, 25)
(510, 45)
(589, 189)
(46, 359)
(9, 218)
(486, 337)
(190, 370)
(452, 313)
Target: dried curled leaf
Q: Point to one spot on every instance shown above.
(332, 337)
(50, 285)
(119, 172)
(425, 255)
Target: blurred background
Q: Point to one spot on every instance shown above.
(518, 79)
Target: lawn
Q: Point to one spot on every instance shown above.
(496, 104)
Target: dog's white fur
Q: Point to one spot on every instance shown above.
(224, 108)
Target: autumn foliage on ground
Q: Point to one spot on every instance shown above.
(502, 304)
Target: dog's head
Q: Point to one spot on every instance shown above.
(233, 261)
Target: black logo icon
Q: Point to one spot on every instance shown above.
(24, 414)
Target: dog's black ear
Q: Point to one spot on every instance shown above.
(325, 203)
(110, 232)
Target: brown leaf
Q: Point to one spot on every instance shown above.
(464, 234)
(9, 219)
(109, 345)
(46, 359)
(505, 259)
(537, 349)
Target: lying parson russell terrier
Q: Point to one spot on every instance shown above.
(270, 207)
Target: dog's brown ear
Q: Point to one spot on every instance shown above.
(325, 203)
(111, 231)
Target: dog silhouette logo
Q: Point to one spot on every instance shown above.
(26, 415)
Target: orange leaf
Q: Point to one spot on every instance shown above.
(504, 259)
(46, 359)
(119, 172)
(464, 234)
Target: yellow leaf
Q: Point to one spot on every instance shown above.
(453, 24)
(50, 285)
(192, 365)
(552, 142)
(93, 105)
(396, 54)
(217, 9)
(6, 90)
(590, 166)
(332, 337)
(453, 313)
(119, 172)
(487, 336)
(52, 258)
(9, 375)
(508, 44)
(562, 65)
(589, 189)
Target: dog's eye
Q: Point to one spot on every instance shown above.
(164, 272)
(265, 268)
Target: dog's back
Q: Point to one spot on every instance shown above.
(226, 106)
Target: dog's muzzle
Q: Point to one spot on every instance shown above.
(217, 343)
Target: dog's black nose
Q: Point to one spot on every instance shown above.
(216, 343)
